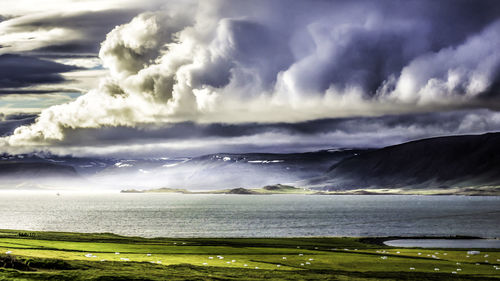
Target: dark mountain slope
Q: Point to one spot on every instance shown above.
(456, 161)
(23, 170)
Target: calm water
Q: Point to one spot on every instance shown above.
(445, 243)
(151, 215)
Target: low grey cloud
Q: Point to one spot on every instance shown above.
(75, 48)
(13, 91)
(21, 71)
(191, 139)
(423, 125)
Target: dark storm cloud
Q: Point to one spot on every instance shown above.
(62, 50)
(382, 37)
(318, 134)
(264, 72)
(8, 123)
(21, 71)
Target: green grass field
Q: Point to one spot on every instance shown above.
(76, 256)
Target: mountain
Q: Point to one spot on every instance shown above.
(207, 172)
(28, 175)
(44, 171)
(35, 170)
(81, 165)
(443, 163)
(223, 170)
(439, 163)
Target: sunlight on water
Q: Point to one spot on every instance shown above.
(151, 215)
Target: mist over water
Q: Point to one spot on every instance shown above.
(175, 215)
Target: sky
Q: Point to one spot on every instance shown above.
(171, 77)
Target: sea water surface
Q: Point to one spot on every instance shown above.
(178, 215)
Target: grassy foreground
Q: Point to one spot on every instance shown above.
(76, 256)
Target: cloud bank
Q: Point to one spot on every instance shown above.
(235, 62)
(192, 139)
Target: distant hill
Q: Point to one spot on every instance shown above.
(266, 190)
(442, 163)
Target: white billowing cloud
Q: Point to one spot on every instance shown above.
(131, 47)
(454, 74)
(246, 61)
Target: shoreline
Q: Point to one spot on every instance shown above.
(252, 191)
(376, 240)
(288, 189)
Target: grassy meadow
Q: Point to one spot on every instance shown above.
(76, 256)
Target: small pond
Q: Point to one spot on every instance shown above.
(445, 243)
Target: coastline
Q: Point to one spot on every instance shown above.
(288, 189)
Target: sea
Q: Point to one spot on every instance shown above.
(218, 215)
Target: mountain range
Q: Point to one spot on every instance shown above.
(467, 162)
(435, 163)
(213, 171)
